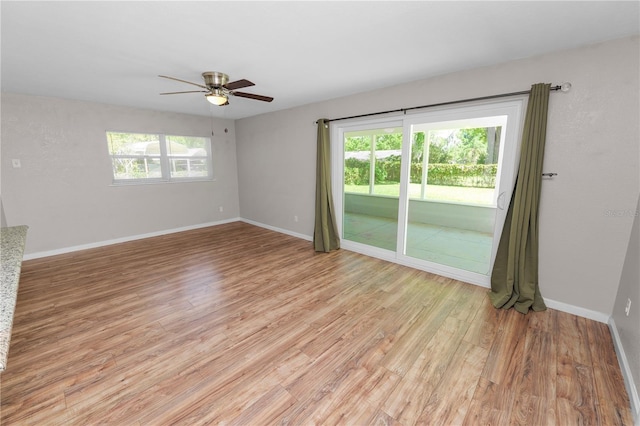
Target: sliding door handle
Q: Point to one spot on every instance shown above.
(500, 201)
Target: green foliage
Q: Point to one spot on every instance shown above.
(384, 141)
(391, 165)
(356, 172)
(188, 141)
(457, 157)
(381, 172)
(438, 155)
(439, 150)
(120, 142)
(387, 141)
(471, 147)
(417, 147)
(473, 175)
(357, 143)
(388, 171)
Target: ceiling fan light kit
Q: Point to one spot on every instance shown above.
(216, 97)
(218, 89)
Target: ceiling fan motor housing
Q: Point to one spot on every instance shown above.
(218, 88)
(214, 79)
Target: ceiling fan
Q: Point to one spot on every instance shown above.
(218, 88)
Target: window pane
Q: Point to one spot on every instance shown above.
(456, 164)
(188, 156)
(136, 168)
(388, 152)
(462, 164)
(357, 162)
(133, 144)
(451, 210)
(134, 155)
(371, 186)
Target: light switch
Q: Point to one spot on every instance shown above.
(16, 163)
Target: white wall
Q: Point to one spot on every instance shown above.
(276, 168)
(63, 190)
(592, 143)
(628, 326)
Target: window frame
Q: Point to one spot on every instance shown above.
(165, 161)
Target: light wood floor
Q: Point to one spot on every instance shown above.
(241, 325)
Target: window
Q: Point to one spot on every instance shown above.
(456, 161)
(373, 152)
(137, 157)
(428, 189)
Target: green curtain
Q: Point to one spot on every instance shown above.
(514, 279)
(325, 234)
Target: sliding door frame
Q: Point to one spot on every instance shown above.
(337, 179)
(505, 179)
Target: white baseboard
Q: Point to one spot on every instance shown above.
(64, 250)
(632, 390)
(560, 306)
(577, 310)
(280, 230)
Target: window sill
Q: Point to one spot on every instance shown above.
(159, 182)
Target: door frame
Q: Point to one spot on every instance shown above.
(505, 178)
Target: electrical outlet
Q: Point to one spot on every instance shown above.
(16, 163)
(627, 309)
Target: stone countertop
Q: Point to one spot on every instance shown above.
(11, 252)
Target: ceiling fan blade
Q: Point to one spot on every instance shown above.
(252, 96)
(184, 81)
(189, 91)
(238, 84)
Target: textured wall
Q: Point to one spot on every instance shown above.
(63, 190)
(628, 326)
(592, 143)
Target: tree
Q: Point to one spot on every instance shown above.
(439, 151)
(357, 143)
(417, 148)
(384, 141)
(119, 143)
(188, 141)
(388, 141)
(471, 146)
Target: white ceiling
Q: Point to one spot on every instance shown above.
(298, 52)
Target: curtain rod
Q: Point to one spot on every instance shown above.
(565, 87)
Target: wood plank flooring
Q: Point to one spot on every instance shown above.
(237, 324)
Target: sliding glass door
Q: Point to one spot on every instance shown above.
(453, 192)
(429, 190)
(371, 184)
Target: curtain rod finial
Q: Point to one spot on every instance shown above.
(565, 87)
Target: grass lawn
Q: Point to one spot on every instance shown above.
(460, 194)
